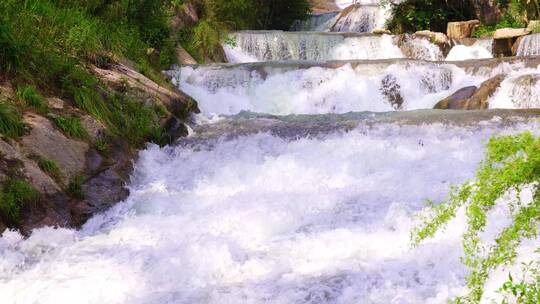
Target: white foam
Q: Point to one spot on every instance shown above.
(259, 219)
(463, 52)
(318, 90)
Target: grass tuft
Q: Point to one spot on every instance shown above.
(15, 193)
(11, 124)
(31, 98)
(71, 126)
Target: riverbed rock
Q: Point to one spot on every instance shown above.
(461, 29)
(479, 101)
(506, 33)
(458, 100)
(46, 141)
(183, 56)
(435, 37)
(120, 77)
(380, 31)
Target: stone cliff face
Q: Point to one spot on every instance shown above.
(487, 11)
(88, 181)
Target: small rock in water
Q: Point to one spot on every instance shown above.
(458, 100)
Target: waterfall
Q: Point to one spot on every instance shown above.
(277, 45)
(315, 22)
(360, 18)
(518, 92)
(316, 90)
(420, 48)
(300, 180)
(529, 45)
(480, 49)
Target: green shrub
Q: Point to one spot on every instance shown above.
(29, 95)
(14, 195)
(71, 126)
(11, 124)
(512, 163)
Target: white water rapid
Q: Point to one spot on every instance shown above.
(300, 182)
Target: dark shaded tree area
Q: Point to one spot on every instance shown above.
(413, 15)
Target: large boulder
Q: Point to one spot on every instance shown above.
(461, 29)
(46, 141)
(507, 33)
(479, 101)
(458, 100)
(472, 98)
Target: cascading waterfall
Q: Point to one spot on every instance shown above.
(360, 18)
(286, 190)
(481, 49)
(316, 22)
(529, 45)
(277, 45)
(518, 92)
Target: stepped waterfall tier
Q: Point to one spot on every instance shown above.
(312, 155)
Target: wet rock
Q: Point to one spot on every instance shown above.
(504, 47)
(46, 141)
(435, 37)
(479, 101)
(379, 31)
(391, 90)
(506, 33)
(461, 29)
(458, 100)
(105, 187)
(183, 56)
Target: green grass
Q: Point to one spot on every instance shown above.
(15, 193)
(512, 164)
(31, 98)
(50, 167)
(71, 126)
(11, 124)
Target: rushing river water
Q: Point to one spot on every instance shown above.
(278, 207)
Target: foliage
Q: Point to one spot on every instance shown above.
(414, 15)
(526, 290)
(11, 124)
(15, 194)
(29, 95)
(512, 165)
(71, 126)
